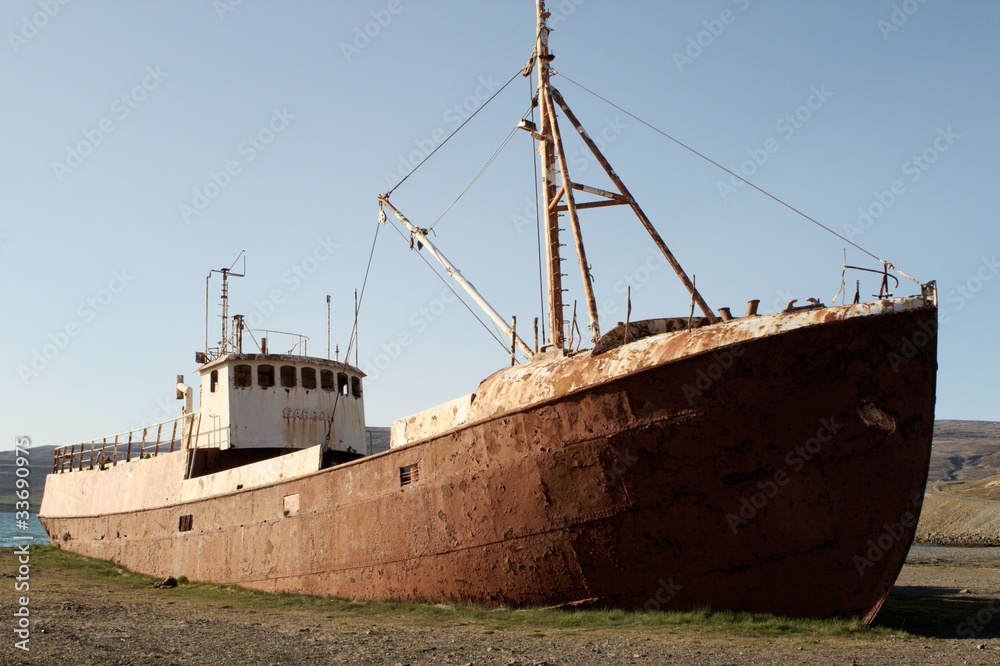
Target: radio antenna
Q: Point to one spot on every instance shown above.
(226, 274)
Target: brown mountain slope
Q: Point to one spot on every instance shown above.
(964, 451)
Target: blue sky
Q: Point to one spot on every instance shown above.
(145, 143)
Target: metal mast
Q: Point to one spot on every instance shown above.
(553, 156)
(558, 196)
(546, 149)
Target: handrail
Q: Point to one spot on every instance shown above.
(297, 339)
(127, 446)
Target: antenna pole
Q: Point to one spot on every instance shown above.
(224, 343)
(226, 273)
(328, 325)
(207, 278)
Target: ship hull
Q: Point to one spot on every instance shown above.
(779, 474)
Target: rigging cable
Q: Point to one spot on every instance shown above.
(354, 334)
(361, 296)
(451, 289)
(472, 182)
(457, 129)
(680, 143)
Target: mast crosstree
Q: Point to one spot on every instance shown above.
(558, 197)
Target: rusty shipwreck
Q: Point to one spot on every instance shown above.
(769, 462)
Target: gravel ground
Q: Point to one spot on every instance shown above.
(81, 622)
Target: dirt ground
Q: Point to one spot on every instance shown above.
(946, 599)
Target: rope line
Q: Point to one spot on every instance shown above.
(451, 288)
(354, 335)
(479, 174)
(735, 175)
(457, 130)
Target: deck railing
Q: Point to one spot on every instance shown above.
(146, 442)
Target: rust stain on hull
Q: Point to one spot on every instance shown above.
(745, 478)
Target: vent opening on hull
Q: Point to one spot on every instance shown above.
(409, 474)
(185, 523)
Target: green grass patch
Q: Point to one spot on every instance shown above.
(86, 569)
(49, 557)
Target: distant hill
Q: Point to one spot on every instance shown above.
(41, 464)
(379, 439)
(964, 451)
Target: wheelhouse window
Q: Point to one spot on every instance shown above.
(288, 376)
(326, 380)
(265, 376)
(213, 381)
(242, 377)
(342, 383)
(308, 378)
(356, 387)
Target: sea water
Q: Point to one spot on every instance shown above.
(11, 527)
